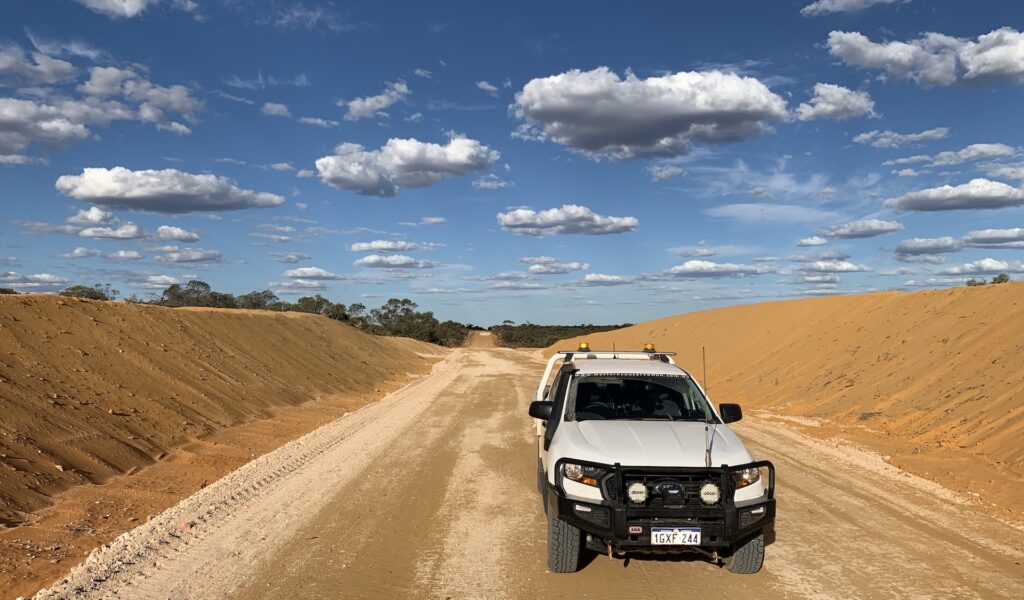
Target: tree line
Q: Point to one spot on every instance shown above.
(528, 335)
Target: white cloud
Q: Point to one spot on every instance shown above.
(170, 233)
(424, 73)
(833, 266)
(16, 69)
(125, 231)
(826, 256)
(124, 255)
(118, 9)
(492, 182)
(433, 221)
(275, 109)
(664, 172)
(835, 102)
(81, 252)
(165, 191)
(488, 87)
(937, 59)
(1009, 171)
(976, 194)
(986, 266)
(318, 122)
(602, 279)
(54, 47)
(40, 282)
(282, 166)
(760, 213)
(814, 240)
(972, 152)
(600, 114)
(706, 268)
(393, 261)
(823, 7)
(273, 237)
(907, 173)
(289, 257)
(891, 139)
(862, 229)
(392, 246)
(189, 255)
(414, 118)
(93, 216)
(304, 173)
(557, 268)
(314, 274)
(402, 162)
(538, 260)
(917, 246)
(504, 276)
(374, 106)
(994, 238)
(308, 17)
(567, 219)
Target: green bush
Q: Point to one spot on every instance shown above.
(96, 292)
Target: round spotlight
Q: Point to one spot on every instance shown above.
(637, 492)
(710, 493)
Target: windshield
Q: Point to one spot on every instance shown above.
(637, 397)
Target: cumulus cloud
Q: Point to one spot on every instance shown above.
(664, 172)
(166, 191)
(599, 113)
(567, 219)
(81, 252)
(393, 261)
(760, 213)
(125, 231)
(986, 266)
(918, 246)
(891, 139)
(433, 221)
(402, 162)
(833, 266)
(972, 152)
(318, 122)
(374, 106)
(835, 102)
(602, 279)
(1009, 171)
(19, 70)
(189, 255)
(976, 194)
(153, 101)
(826, 255)
(706, 268)
(93, 216)
(118, 9)
(314, 274)
(488, 87)
(39, 282)
(936, 59)
(823, 7)
(124, 255)
(557, 268)
(392, 246)
(289, 257)
(994, 238)
(814, 240)
(492, 182)
(862, 229)
(504, 276)
(170, 233)
(275, 109)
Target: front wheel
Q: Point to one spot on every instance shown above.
(748, 557)
(563, 546)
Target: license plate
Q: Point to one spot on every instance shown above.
(675, 536)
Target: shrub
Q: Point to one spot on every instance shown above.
(96, 292)
(1001, 278)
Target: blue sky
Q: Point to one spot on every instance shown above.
(581, 162)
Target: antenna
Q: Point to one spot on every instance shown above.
(709, 441)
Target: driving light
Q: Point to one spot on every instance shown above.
(710, 493)
(583, 474)
(746, 477)
(637, 492)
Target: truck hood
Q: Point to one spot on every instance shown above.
(653, 443)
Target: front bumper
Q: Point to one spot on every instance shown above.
(627, 526)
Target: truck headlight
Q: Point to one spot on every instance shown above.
(583, 474)
(746, 477)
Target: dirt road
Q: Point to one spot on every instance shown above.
(430, 494)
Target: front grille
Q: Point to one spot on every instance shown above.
(666, 490)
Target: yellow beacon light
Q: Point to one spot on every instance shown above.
(649, 347)
(584, 347)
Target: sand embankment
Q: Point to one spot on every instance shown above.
(89, 390)
(933, 380)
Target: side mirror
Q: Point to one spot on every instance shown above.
(730, 412)
(541, 409)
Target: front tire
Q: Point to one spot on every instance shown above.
(563, 546)
(748, 557)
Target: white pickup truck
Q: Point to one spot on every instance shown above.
(633, 457)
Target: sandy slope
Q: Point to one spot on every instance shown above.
(934, 379)
(89, 390)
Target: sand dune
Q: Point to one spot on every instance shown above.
(89, 390)
(934, 380)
